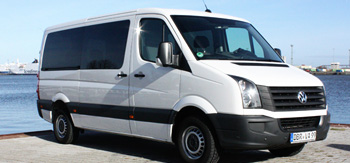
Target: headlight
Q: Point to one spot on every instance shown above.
(249, 92)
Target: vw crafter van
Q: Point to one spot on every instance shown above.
(202, 81)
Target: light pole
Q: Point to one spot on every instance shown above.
(333, 54)
(291, 59)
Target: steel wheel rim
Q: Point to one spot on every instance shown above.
(61, 126)
(193, 142)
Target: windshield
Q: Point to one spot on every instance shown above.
(224, 39)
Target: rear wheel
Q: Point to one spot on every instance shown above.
(64, 130)
(288, 151)
(195, 141)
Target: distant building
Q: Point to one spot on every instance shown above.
(335, 65)
(304, 66)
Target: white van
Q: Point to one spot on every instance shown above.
(200, 80)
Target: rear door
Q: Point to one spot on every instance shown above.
(104, 88)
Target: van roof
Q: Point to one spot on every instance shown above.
(166, 12)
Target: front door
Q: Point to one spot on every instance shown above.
(154, 90)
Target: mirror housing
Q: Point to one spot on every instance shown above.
(278, 51)
(165, 55)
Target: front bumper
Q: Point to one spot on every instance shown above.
(258, 132)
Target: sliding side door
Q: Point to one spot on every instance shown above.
(104, 88)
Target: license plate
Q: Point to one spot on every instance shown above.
(302, 137)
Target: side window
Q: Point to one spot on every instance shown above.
(104, 45)
(238, 38)
(168, 37)
(94, 47)
(63, 50)
(153, 32)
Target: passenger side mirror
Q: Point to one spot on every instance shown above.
(165, 55)
(278, 51)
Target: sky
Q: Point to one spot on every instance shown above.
(319, 30)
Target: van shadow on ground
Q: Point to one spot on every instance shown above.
(340, 146)
(152, 150)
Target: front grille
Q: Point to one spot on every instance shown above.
(286, 98)
(290, 124)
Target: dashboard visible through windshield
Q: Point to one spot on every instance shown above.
(224, 39)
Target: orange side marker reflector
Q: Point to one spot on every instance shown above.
(131, 116)
(74, 110)
(41, 106)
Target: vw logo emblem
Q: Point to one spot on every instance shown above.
(302, 97)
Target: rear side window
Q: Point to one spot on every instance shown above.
(99, 46)
(104, 45)
(63, 50)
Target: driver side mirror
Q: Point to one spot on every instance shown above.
(165, 55)
(278, 51)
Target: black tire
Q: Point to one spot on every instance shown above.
(195, 141)
(287, 151)
(63, 128)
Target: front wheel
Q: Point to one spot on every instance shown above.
(288, 151)
(63, 128)
(195, 141)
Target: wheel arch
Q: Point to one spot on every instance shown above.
(59, 102)
(197, 102)
(189, 111)
(60, 97)
(190, 106)
(59, 105)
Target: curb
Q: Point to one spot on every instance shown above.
(340, 125)
(27, 134)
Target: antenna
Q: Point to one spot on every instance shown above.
(206, 8)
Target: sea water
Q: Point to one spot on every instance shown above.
(18, 108)
(338, 97)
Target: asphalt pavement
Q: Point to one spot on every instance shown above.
(104, 147)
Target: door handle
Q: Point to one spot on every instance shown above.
(121, 74)
(139, 75)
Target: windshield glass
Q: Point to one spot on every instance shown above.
(224, 39)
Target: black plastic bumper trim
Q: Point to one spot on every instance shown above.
(45, 105)
(256, 132)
